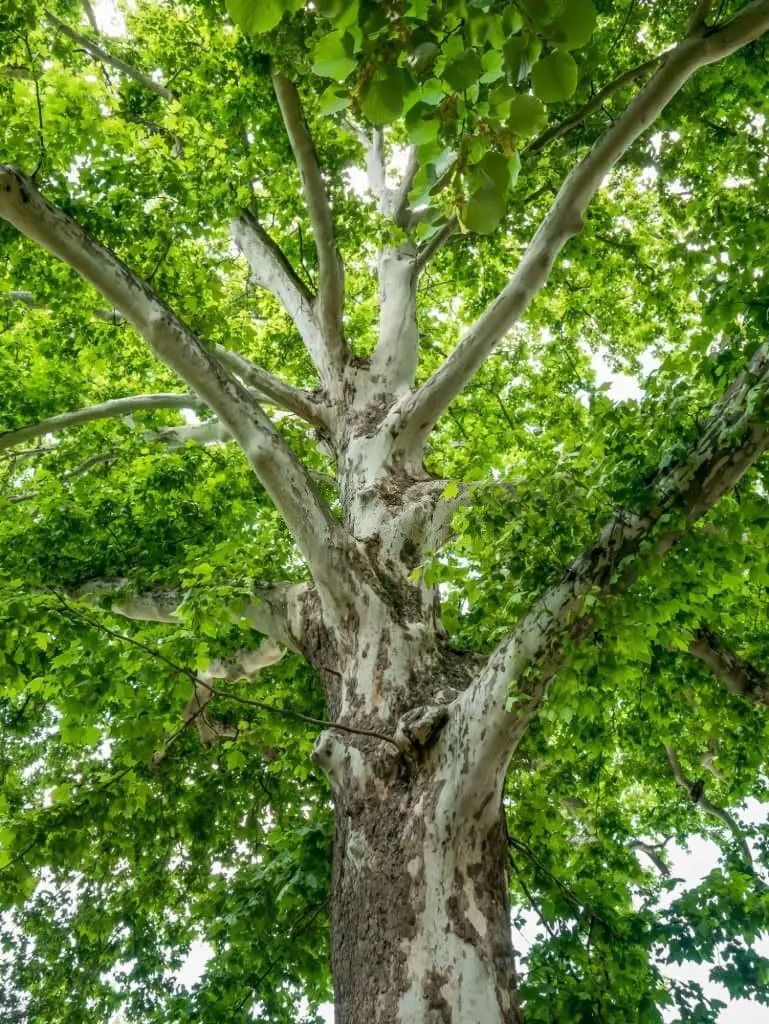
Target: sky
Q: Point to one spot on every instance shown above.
(692, 865)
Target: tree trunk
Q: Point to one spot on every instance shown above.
(421, 926)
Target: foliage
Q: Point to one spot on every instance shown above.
(110, 868)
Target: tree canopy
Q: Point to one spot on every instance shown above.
(123, 837)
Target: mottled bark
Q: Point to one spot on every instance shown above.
(420, 913)
(738, 675)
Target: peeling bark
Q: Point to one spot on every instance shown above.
(421, 929)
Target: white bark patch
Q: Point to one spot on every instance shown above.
(459, 973)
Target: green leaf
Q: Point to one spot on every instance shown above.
(574, 26)
(422, 129)
(423, 55)
(526, 116)
(519, 55)
(384, 95)
(555, 77)
(451, 490)
(255, 16)
(492, 171)
(332, 100)
(484, 210)
(464, 71)
(333, 56)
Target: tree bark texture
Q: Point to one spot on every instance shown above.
(420, 913)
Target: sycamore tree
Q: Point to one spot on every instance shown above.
(347, 621)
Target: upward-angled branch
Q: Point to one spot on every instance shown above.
(307, 516)
(735, 435)
(580, 116)
(400, 209)
(395, 357)
(330, 272)
(89, 13)
(270, 389)
(99, 53)
(429, 248)
(421, 410)
(104, 410)
(738, 676)
(393, 202)
(375, 165)
(696, 791)
(271, 270)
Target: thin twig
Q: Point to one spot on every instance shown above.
(581, 115)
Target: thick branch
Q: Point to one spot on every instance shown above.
(271, 270)
(307, 516)
(273, 391)
(376, 169)
(89, 13)
(419, 413)
(738, 676)
(393, 202)
(266, 387)
(104, 410)
(733, 438)
(210, 432)
(99, 53)
(395, 358)
(275, 608)
(331, 275)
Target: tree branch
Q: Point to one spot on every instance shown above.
(399, 208)
(395, 357)
(99, 53)
(696, 791)
(418, 413)
(209, 432)
(244, 664)
(735, 435)
(104, 410)
(73, 474)
(271, 270)
(429, 248)
(28, 299)
(738, 676)
(652, 852)
(318, 535)
(580, 116)
(393, 203)
(376, 170)
(273, 391)
(275, 608)
(330, 298)
(89, 13)
(267, 388)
